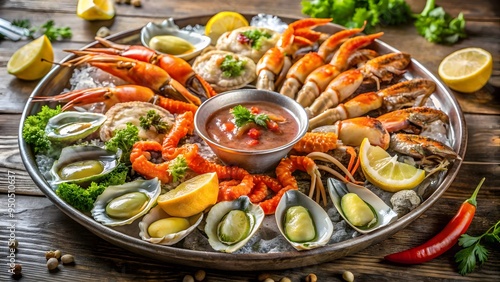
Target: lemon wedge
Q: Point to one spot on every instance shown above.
(466, 70)
(387, 172)
(95, 9)
(222, 22)
(26, 63)
(191, 196)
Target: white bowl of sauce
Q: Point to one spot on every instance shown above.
(249, 128)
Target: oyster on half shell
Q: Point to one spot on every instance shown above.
(83, 163)
(157, 213)
(69, 127)
(229, 225)
(122, 204)
(295, 213)
(382, 213)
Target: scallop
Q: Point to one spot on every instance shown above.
(361, 208)
(122, 204)
(83, 163)
(69, 127)
(229, 225)
(302, 221)
(158, 227)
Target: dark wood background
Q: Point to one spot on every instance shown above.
(41, 226)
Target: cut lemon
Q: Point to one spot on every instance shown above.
(95, 9)
(466, 70)
(191, 196)
(387, 172)
(222, 22)
(26, 63)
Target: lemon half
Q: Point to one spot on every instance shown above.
(191, 196)
(222, 22)
(95, 9)
(385, 171)
(26, 63)
(466, 70)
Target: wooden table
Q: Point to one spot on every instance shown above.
(40, 226)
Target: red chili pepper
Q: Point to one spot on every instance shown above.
(445, 239)
(272, 125)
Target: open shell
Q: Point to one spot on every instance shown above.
(218, 211)
(157, 213)
(321, 220)
(78, 153)
(384, 214)
(69, 127)
(151, 188)
(168, 27)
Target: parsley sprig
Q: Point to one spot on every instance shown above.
(474, 252)
(153, 119)
(232, 67)
(178, 167)
(49, 28)
(243, 116)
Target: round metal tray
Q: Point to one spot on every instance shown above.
(57, 80)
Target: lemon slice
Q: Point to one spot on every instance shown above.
(466, 70)
(191, 196)
(387, 172)
(222, 22)
(95, 9)
(26, 63)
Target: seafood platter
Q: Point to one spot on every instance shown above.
(155, 164)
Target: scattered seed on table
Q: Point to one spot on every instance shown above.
(103, 31)
(199, 275)
(348, 276)
(57, 254)
(311, 278)
(188, 278)
(263, 276)
(17, 269)
(50, 254)
(67, 259)
(136, 3)
(268, 279)
(52, 263)
(285, 279)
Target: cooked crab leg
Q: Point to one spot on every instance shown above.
(391, 98)
(317, 81)
(404, 118)
(384, 67)
(271, 64)
(421, 147)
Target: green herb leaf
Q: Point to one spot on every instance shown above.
(438, 26)
(243, 116)
(34, 129)
(256, 37)
(232, 67)
(178, 168)
(124, 139)
(152, 118)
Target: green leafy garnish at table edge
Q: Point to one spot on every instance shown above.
(243, 116)
(433, 22)
(474, 250)
(34, 130)
(153, 119)
(49, 28)
(232, 67)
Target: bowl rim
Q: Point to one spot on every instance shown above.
(301, 131)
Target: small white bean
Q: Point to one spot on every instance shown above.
(52, 263)
(348, 276)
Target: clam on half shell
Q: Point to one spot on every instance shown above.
(150, 188)
(255, 215)
(158, 213)
(322, 223)
(382, 212)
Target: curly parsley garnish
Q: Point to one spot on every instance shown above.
(34, 129)
(153, 119)
(256, 37)
(232, 67)
(243, 116)
(124, 140)
(178, 167)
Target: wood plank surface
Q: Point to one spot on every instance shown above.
(41, 226)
